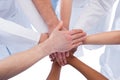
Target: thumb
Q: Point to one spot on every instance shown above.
(59, 26)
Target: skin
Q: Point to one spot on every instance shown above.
(66, 6)
(55, 72)
(65, 12)
(44, 7)
(84, 69)
(87, 71)
(112, 37)
(21, 61)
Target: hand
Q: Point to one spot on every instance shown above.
(64, 40)
(71, 52)
(60, 57)
(71, 56)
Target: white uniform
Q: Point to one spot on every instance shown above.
(110, 59)
(13, 37)
(91, 15)
(84, 18)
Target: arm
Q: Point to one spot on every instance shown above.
(44, 7)
(55, 72)
(88, 72)
(65, 12)
(19, 62)
(112, 37)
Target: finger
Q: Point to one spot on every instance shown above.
(58, 59)
(64, 58)
(67, 54)
(52, 57)
(55, 54)
(72, 32)
(78, 35)
(77, 44)
(61, 59)
(73, 50)
(78, 40)
(64, 29)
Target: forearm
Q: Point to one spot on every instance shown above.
(19, 62)
(55, 72)
(44, 7)
(88, 72)
(65, 11)
(112, 37)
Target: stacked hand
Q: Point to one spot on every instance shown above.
(74, 38)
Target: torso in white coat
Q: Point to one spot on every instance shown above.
(91, 15)
(110, 60)
(84, 23)
(7, 8)
(10, 10)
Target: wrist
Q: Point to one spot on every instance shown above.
(70, 59)
(55, 64)
(46, 47)
(52, 25)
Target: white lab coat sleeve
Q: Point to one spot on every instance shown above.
(92, 13)
(11, 32)
(33, 15)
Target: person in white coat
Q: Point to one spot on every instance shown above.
(13, 36)
(20, 61)
(79, 15)
(110, 59)
(90, 17)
